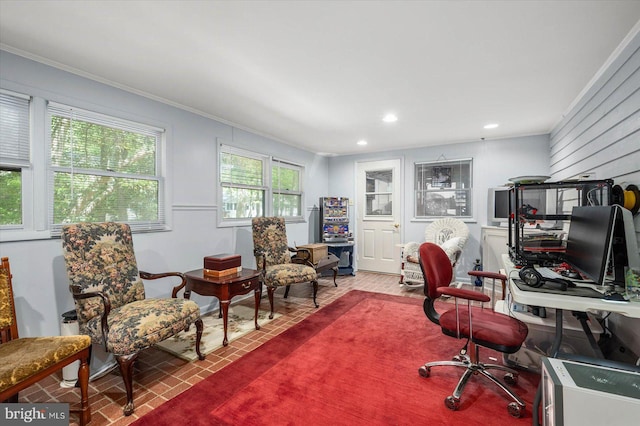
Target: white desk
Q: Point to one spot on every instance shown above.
(562, 301)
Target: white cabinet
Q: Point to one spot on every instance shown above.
(494, 245)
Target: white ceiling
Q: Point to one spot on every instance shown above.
(321, 74)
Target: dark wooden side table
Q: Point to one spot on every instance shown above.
(328, 263)
(225, 288)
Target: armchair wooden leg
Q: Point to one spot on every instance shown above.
(126, 370)
(83, 380)
(199, 328)
(270, 291)
(315, 292)
(286, 291)
(11, 399)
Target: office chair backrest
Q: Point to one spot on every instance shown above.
(436, 269)
(437, 272)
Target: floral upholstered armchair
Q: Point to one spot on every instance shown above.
(110, 298)
(449, 233)
(275, 261)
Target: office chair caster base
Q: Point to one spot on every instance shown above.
(424, 371)
(515, 410)
(511, 379)
(461, 358)
(452, 403)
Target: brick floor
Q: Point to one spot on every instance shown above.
(160, 376)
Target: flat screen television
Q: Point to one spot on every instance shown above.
(590, 240)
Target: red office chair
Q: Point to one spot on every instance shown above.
(483, 327)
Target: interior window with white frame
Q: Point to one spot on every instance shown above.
(443, 188)
(103, 168)
(15, 163)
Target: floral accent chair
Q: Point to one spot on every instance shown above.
(275, 261)
(28, 360)
(110, 298)
(449, 233)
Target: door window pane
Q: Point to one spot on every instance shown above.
(379, 193)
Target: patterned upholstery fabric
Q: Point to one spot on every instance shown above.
(449, 233)
(144, 323)
(289, 273)
(100, 258)
(6, 317)
(23, 358)
(270, 241)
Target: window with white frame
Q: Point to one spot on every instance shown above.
(242, 180)
(255, 185)
(103, 168)
(443, 188)
(286, 185)
(14, 157)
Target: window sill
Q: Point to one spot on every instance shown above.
(242, 222)
(22, 235)
(431, 219)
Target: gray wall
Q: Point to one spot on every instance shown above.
(39, 277)
(601, 135)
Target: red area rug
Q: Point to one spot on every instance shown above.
(354, 362)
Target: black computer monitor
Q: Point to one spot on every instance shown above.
(590, 239)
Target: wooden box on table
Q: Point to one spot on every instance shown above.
(318, 251)
(220, 265)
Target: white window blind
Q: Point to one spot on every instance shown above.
(103, 168)
(14, 129)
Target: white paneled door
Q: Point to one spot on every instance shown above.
(378, 216)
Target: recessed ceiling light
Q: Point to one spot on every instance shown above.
(362, 142)
(390, 118)
(491, 126)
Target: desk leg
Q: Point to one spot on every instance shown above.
(257, 294)
(555, 349)
(224, 306)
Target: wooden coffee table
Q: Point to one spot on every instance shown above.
(225, 288)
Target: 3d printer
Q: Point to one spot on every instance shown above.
(540, 213)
